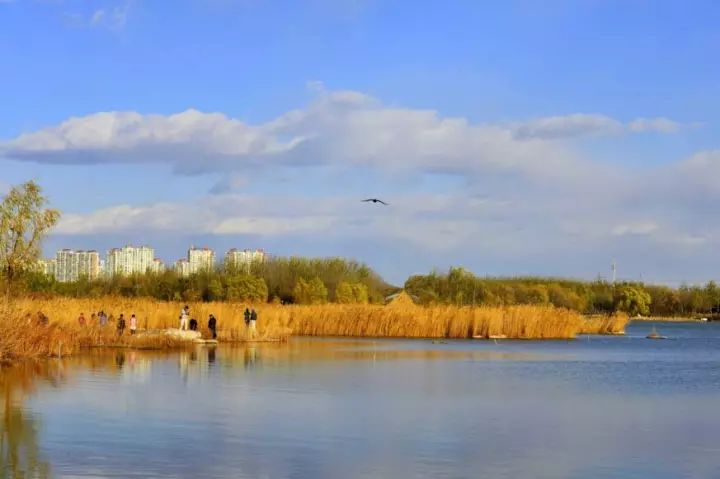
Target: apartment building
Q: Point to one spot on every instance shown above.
(130, 260)
(243, 259)
(70, 265)
(201, 259)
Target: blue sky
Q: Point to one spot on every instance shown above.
(512, 137)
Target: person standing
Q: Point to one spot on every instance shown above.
(121, 325)
(253, 319)
(184, 316)
(247, 318)
(103, 318)
(133, 324)
(81, 320)
(212, 326)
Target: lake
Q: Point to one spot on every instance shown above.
(594, 407)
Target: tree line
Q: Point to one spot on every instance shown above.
(460, 287)
(281, 280)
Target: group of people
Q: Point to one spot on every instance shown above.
(103, 319)
(186, 322)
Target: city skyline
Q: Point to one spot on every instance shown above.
(69, 265)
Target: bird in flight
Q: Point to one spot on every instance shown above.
(374, 200)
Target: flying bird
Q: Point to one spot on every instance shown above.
(374, 200)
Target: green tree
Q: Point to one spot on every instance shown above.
(360, 293)
(712, 296)
(243, 287)
(344, 293)
(216, 292)
(633, 300)
(318, 291)
(349, 293)
(310, 292)
(24, 221)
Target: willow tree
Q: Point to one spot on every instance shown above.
(24, 221)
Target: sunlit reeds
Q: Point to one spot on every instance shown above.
(604, 324)
(277, 322)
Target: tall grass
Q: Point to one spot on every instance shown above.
(603, 324)
(21, 335)
(400, 319)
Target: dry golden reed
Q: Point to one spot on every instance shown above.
(603, 324)
(401, 318)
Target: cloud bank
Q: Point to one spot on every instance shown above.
(523, 189)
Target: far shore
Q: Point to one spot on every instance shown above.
(675, 319)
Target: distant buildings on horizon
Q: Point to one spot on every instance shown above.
(71, 265)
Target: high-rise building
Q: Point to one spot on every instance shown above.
(243, 259)
(158, 266)
(130, 260)
(72, 265)
(88, 264)
(65, 266)
(182, 267)
(201, 259)
(46, 266)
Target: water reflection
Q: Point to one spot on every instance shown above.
(607, 407)
(20, 454)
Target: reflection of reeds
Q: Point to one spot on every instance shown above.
(20, 453)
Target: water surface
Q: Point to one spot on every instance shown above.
(595, 407)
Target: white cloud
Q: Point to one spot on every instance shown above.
(569, 126)
(635, 228)
(583, 125)
(113, 18)
(342, 128)
(540, 197)
(661, 125)
(97, 17)
(339, 129)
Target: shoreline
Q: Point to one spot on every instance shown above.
(670, 319)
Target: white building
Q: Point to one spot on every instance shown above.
(130, 260)
(158, 266)
(46, 267)
(201, 259)
(182, 267)
(72, 265)
(237, 259)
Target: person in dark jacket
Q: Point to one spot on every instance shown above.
(193, 324)
(212, 326)
(121, 325)
(247, 317)
(253, 319)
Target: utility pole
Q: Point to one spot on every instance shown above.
(614, 271)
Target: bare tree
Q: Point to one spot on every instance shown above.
(24, 221)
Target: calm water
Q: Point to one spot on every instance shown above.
(597, 407)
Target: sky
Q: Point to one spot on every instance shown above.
(509, 137)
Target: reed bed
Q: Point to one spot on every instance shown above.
(517, 322)
(21, 335)
(399, 319)
(604, 324)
